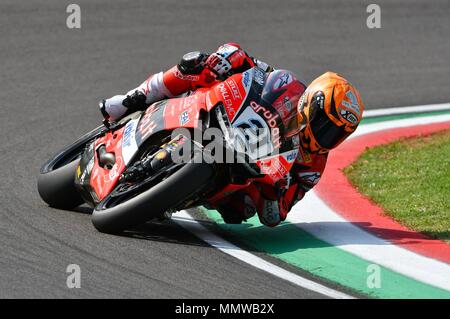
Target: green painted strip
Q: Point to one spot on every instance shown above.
(385, 118)
(296, 247)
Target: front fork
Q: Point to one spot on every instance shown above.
(154, 162)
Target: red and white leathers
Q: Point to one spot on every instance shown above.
(271, 202)
(228, 58)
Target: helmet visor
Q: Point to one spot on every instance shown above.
(327, 134)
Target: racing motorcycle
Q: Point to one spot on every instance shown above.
(127, 171)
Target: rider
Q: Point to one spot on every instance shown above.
(328, 111)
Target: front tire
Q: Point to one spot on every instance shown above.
(57, 187)
(155, 201)
(56, 180)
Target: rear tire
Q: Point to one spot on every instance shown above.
(153, 202)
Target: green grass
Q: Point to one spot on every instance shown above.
(410, 179)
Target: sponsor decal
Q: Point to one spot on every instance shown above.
(226, 99)
(352, 104)
(184, 118)
(262, 65)
(147, 125)
(310, 177)
(279, 167)
(350, 109)
(246, 79)
(128, 134)
(287, 103)
(271, 119)
(190, 100)
(282, 81)
(273, 168)
(259, 76)
(234, 89)
(129, 146)
(185, 77)
(225, 94)
(349, 116)
(290, 156)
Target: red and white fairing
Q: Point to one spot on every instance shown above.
(250, 99)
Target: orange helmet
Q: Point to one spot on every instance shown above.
(329, 111)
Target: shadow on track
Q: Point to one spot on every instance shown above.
(163, 231)
(160, 231)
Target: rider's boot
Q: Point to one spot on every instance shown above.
(238, 208)
(115, 108)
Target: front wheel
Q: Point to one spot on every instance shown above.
(112, 216)
(56, 178)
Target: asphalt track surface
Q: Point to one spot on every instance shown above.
(52, 77)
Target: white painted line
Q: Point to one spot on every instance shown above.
(406, 110)
(185, 220)
(314, 216)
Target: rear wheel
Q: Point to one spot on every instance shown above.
(56, 178)
(125, 208)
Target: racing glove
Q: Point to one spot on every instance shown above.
(228, 59)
